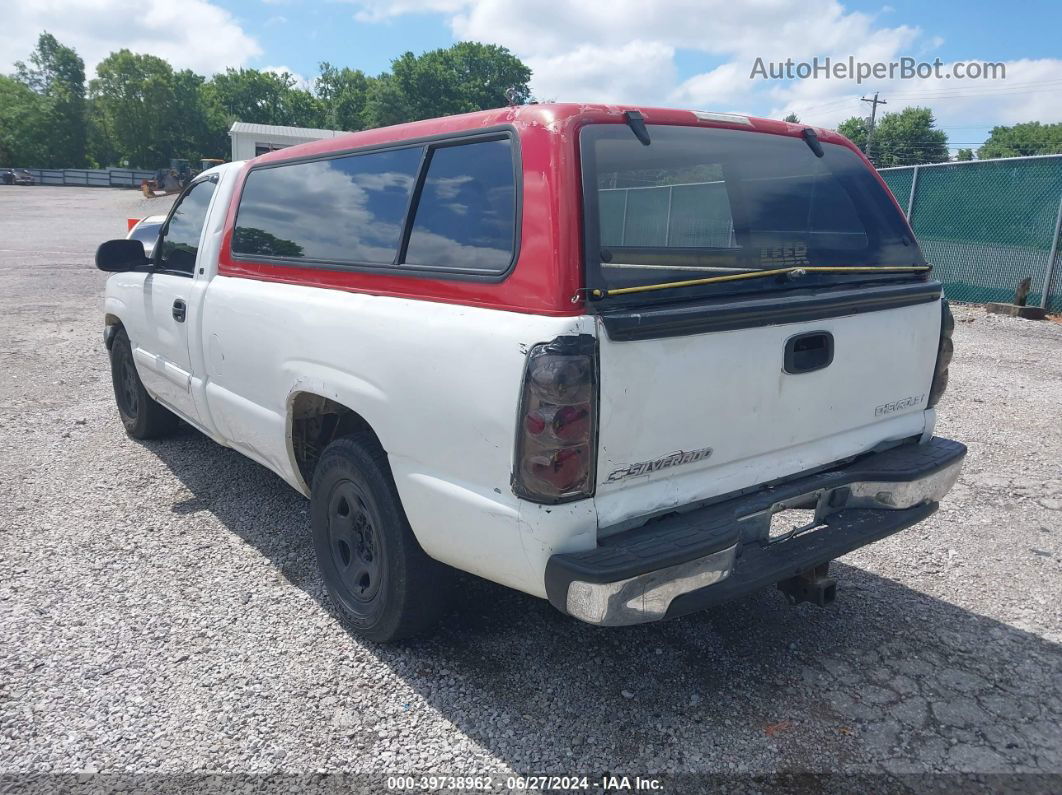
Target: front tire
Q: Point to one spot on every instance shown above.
(142, 416)
(383, 584)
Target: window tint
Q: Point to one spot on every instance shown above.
(705, 202)
(810, 205)
(181, 242)
(466, 216)
(671, 215)
(347, 209)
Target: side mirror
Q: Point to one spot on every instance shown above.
(121, 255)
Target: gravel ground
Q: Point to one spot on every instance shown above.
(160, 611)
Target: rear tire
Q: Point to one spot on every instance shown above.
(383, 584)
(142, 416)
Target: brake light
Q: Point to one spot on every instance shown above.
(556, 447)
(945, 350)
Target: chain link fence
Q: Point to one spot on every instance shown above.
(690, 214)
(986, 225)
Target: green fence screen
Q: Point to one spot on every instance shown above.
(985, 225)
(691, 214)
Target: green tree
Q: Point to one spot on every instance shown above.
(964, 154)
(899, 139)
(196, 132)
(855, 129)
(908, 138)
(57, 75)
(303, 109)
(343, 94)
(465, 77)
(100, 146)
(140, 112)
(792, 118)
(23, 125)
(386, 103)
(1030, 138)
(135, 105)
(256, 97)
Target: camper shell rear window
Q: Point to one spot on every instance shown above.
(699, 202)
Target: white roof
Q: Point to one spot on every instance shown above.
(275, 131)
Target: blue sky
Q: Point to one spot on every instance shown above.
(303, 34)
(684, 53)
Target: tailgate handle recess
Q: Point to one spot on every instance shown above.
(805, 353)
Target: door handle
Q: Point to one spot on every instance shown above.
(806, 353)
(180, 310)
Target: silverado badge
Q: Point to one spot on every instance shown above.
(672, 460)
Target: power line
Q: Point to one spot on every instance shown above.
(983, 92)
(987, 124)
(1040, 85)
(836, 102)
(934, 98)
(1045, 86)
(1036, 141)
(1005, 84)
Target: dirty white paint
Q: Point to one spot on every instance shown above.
(727, 390)
(440, 385)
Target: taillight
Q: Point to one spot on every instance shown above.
(945, 350)
(556, 447)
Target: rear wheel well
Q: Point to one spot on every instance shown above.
(315, 422)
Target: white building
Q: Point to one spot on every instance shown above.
(251, 140)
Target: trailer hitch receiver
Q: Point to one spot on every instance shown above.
(810, 586)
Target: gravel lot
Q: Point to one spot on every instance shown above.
(160, 609)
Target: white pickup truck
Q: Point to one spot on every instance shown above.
(635, 361)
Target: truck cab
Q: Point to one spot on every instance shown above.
(635, 361)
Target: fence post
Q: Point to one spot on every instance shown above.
(667, 227)
(1051, 257)
(911, 195)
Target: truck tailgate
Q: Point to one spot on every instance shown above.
(687, 418)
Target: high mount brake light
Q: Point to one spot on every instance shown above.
(945, 350)
(556, 437)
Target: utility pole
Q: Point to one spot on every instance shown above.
(873, 117)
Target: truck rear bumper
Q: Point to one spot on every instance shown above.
(689, 561)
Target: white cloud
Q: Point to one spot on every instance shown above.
(721, 27)
(387, 9)
(300, 80)
(193, 34)
(639, 72)
(624, 51)
(1030, 92)
(726, 85)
